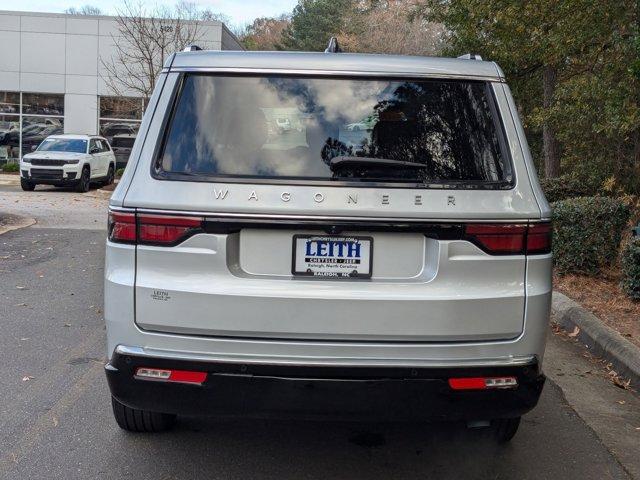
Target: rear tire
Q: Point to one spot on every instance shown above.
(27, 186)
(85, 181)
(505, 429)
(111, 174)
(141, 421)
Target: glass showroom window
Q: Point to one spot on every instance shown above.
(36, 129)
(9, 126)
(120, 118)
(42, 115)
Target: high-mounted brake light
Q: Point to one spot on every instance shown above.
(510, 239)
(151, 229)
(178, 376)
(482, 383)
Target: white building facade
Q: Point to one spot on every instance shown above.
(52, 78)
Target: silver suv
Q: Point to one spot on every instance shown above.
(398, 269)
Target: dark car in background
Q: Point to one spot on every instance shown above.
(110, 130)
(33, 138)
(122, 145)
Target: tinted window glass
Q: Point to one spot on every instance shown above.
(121, 107)
(336, 129)
(36, 129)
(9, 102)
(63, 145)
(42, 104)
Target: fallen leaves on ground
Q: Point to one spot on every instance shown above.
(604, 298)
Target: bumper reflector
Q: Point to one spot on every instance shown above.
(179, 376)
(482, 383)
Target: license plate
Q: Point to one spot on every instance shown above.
(332, 256)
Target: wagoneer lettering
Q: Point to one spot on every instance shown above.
(364, 232)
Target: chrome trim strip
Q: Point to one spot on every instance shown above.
(330, 362)
(277, 216)
(121, 209)
(349, 73)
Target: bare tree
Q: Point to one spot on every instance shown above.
(84, 10)
(391, 26)
(144, 39)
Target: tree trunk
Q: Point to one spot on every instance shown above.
(550, 142)
(636, 150)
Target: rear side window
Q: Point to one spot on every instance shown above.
(426, 132)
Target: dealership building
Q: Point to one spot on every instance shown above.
(53, 78)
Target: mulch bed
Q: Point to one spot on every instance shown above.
(605, 299)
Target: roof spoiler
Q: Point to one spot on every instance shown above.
(470, 56)
(333, 46)
(192, 48)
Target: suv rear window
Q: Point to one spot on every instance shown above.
(427, 132)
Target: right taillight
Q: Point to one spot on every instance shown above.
(539, 238)
(147, 229)
(510, 239)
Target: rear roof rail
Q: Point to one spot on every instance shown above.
(333, 46)
(470, 56)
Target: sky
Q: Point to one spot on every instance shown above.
(240, 11)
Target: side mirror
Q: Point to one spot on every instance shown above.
(33, 148)
(94, 150)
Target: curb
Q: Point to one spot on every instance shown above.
(602, 340)
(16, 222)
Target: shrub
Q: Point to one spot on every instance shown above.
(119, 172)
(570, 186)
(587, 233)
(631, 268)
(10, 167)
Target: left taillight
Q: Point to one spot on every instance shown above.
(122, 227)
(146, 229)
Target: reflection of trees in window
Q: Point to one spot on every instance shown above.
(121, 107)
(445, 125)
(279, 126)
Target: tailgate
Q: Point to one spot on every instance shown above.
(242, 284)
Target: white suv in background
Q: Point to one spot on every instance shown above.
(399, 270)
(69, 160)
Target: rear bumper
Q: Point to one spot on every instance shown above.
(341, 392)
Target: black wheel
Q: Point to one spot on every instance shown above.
(141, 421)
(110, 175)
(27, 186)
(85, 181)
(505, 428)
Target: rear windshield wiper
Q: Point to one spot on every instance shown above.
(346, 161)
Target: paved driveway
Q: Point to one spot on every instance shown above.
(55, 418)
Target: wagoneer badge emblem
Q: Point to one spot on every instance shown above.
(319, 197)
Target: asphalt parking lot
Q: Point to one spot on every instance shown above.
(56, 422)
